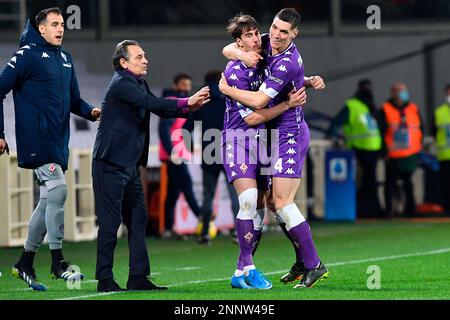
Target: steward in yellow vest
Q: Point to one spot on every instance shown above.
(441, 132)
(363, 136)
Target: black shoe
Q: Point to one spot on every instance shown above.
(142, 284)
(64, 271)
(312, 276)
(108, 285)
(296, 273)
(28, 275)
(205, 240)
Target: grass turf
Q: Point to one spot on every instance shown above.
(404, 252)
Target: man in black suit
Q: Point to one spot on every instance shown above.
(121, 146)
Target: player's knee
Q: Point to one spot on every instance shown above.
(57, 195)
(247, 204)
(280, 202)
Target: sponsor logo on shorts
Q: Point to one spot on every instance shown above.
(289, 171)
(291, 151)
(292, 141)
(290, 161)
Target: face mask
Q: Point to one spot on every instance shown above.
(404, 96)
(448, 99)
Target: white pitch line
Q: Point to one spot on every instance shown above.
(332, 264)
(187, 268)
(89, 296)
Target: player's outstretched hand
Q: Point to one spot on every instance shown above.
(199, 99)
(96, 113)
(317, 83)
(4, 147)
(250, 58)
(297, 98)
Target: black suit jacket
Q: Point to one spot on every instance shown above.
(123, 134)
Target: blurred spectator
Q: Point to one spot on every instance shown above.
(402, 130)
(212, 118)
(441, 132)
(179, 179)
(363, 136)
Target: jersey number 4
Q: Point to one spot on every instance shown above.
(279, 165)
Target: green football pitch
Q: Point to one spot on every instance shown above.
(409, 260)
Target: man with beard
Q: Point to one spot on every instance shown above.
(362, 135)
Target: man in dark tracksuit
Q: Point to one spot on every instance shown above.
(212, 118)
(42, 77)
(121, 146)
(179, 178)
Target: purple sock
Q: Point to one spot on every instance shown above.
(246, 234)
(302, 235)
(256, 240)
(298, 253)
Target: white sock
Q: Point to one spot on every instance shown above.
(258, 221)
(238, 273)
(291, 215)
(248, 268)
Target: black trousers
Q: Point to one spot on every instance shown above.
(179, 181)
(368, 203)
(393, 174)
(119, 198)
(210, 179)
(444, 172)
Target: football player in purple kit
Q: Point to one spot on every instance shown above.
(241, 144)
(284, 72)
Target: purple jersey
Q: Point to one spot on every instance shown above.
(283, 72)
(238, 75)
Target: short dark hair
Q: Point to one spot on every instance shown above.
(240, 24)
(290, 15)
(181, 76)
(213, 76)
(42, 15)
(121, 51)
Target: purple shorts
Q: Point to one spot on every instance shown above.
(241, 160)
(292, 151)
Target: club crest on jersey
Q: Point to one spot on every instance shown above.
(243, 168)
